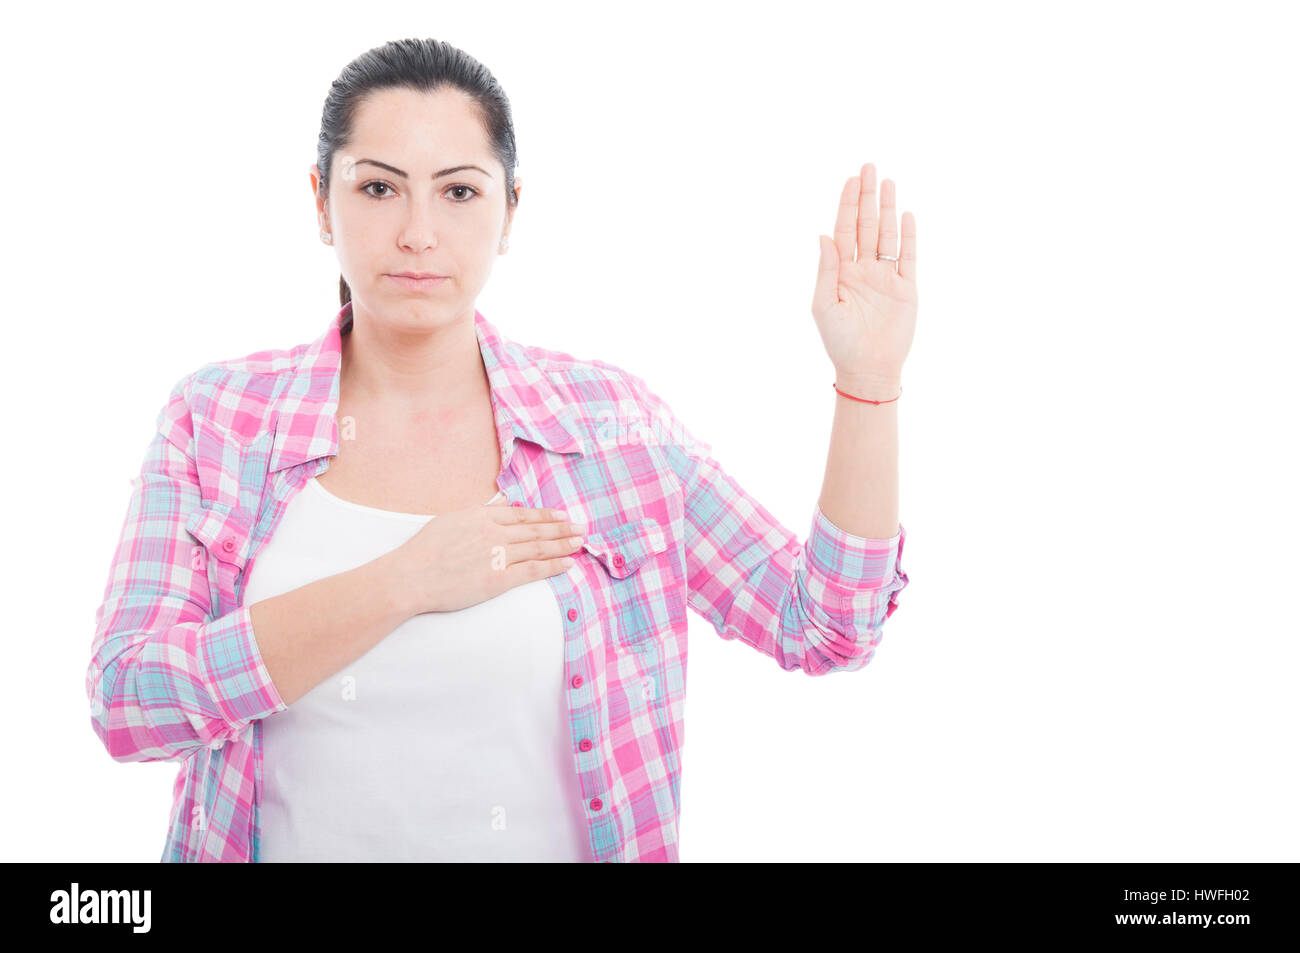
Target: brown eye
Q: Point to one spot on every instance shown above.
(380, 185)
(465, 188)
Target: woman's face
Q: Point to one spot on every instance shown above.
(416, 215)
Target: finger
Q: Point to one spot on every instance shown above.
(907, 257)
(517, 574)
(542, 549)
(888, 242)
(846, 218)
(525, 532)
(826, 290)
(867, 218)
(525, 514)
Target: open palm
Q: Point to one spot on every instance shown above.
(865, 308)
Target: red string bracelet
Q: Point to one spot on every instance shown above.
(865, 400)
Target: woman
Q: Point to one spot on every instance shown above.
(416, 591)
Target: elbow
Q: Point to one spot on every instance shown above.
(847, 641)
(100, 687)
(119, 741)
(123, 723)
(835, 621)
(120, 746)
(126, 746)
(830, 652)
(124, 743)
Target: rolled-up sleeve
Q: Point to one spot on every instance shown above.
(856, 580)
(816, 605)
(165, 678)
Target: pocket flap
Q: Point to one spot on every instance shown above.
(224, 533)
(622, 549)
(232, 469)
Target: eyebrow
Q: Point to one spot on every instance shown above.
(436, 175)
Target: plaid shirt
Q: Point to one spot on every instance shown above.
(176, 674)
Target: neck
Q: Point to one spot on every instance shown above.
(408, 364)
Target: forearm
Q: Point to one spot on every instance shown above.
(860, 487)
(309, 633)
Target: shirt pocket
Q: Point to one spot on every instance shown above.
(642, 599)
(232, 470)
(218, 459)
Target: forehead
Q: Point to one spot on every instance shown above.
(419, 129)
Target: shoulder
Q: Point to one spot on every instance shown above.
(235, 394)
(586, 382)
(614, 405)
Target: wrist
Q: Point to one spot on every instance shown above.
(883, 387)
(394, 584)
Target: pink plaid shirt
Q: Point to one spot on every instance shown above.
(176, 674)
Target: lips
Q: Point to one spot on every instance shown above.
(417, 284)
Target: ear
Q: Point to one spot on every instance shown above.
(322, 214)
(511, 209)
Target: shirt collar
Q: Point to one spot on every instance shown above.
(525, 405)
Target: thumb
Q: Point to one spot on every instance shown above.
(826, 291)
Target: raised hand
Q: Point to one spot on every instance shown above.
(865, 307)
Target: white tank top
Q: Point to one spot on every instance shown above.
(447, 741)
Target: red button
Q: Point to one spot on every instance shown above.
(618, 560)
(584, 744)
(597, 804)
(228, 544)
(573, 614)
(516, 503)
(576, 681)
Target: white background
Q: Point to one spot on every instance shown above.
(1096, 657)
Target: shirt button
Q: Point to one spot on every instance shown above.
(596, 804)
(516, 503)
(618, 560)
(576, 681)
(584, 744)
(228, 544)
(573, 614)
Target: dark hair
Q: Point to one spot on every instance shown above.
(424, 66)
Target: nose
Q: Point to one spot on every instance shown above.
(418, 236)
(420, 230)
